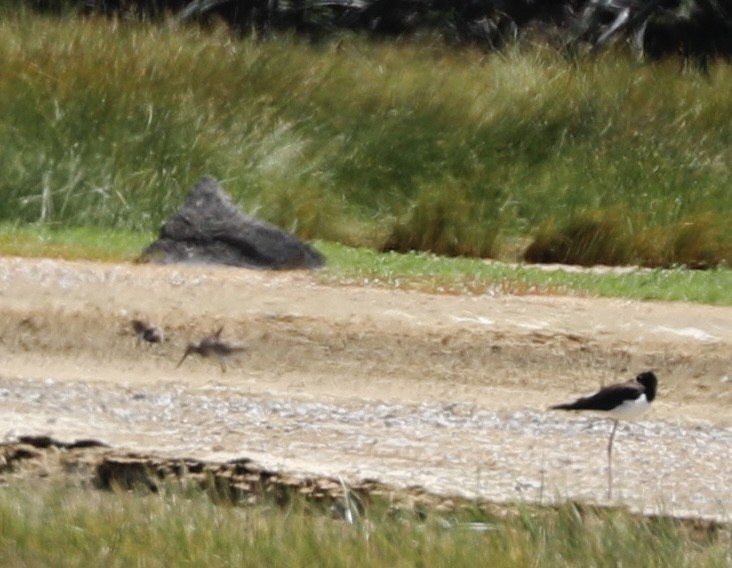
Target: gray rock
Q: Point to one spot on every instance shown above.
(209, 229)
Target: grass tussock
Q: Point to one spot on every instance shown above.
(386, 145)
(62, 526)
(587, 239)
(609, 237)
(697, 242)
(446, 222)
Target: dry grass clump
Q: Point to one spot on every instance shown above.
(695, 243)
(611, 238)
(446, 222)
(587, 239)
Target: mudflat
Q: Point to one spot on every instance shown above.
(446, 392)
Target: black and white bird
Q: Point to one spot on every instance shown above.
(213, 346)
(148, 333)
(622, 401)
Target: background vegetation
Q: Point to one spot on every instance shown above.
(398, 146)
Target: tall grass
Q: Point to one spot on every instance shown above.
(109, 123)
(70, 527)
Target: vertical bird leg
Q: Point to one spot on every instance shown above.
(222, 364)
(610, 461)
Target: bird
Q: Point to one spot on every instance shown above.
(621, 401)
(146, 332)
(212, 346)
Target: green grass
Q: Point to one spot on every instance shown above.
(427, 272)
(72, 243)
(413, 271)
(396, 145)
(61, 526)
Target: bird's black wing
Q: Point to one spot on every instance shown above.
(604, 399)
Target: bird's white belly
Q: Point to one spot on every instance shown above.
(631, 409)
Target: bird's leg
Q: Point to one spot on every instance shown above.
(610, 461)
(222, 363)
(187, 352)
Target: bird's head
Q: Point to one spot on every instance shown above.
(153, 335)
(650, 382)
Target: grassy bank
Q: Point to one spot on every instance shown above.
(414, 271)
(57, 526)
(386, 145)
(430, 273)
